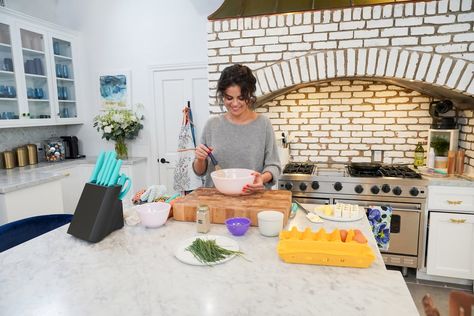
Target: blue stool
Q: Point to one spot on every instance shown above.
(15, 233)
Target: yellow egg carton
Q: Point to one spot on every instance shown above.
(338, 248)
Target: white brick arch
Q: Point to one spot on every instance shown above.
(416, 69)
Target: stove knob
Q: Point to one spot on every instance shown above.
(414, 191)
(375, 189)
(338, 186)
(303, 186)
(289, 186)
(315, 185)
(397, 191)
(359, 189)
(386, 188)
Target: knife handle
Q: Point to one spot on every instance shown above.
(98, 165)
(115, 173)
(102, 167)
(108, 168)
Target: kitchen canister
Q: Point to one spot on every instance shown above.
(32, 154)
(9, 159)
(54, 150)
(22, 156)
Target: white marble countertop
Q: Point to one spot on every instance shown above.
(133, 271)
(43, 172)
(451, 181)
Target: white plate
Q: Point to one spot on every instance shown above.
(187, 257)
(317, 211)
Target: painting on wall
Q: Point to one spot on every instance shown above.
(115, 90)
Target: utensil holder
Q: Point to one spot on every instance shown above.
(98, 213)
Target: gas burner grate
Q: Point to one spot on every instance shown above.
(298, 168)
(399, 172)
(361, 172)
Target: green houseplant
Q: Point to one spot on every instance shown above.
(440, 145)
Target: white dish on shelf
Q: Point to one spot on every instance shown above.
(186, 256)
(318, 211)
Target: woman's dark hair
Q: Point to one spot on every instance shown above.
(241, 76)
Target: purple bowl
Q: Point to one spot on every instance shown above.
(237, 226)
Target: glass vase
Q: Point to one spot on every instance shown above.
(121, 149)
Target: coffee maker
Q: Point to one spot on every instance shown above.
(71, 144)
(444, 114)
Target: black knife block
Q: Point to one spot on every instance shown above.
(98, 213)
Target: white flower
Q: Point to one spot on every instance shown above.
(134, 118)
(117, 118)
(107, 129)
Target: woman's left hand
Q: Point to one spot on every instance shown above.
(256, 186)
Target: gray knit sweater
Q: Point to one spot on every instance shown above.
(250, 146)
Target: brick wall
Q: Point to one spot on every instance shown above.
(466, 137)
(343, 121)
(429, 42)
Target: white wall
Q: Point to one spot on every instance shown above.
(128, 35)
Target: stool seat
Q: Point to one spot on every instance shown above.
(18, 232)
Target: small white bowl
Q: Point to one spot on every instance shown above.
(153, 214)
(270, 223)
(232, 181)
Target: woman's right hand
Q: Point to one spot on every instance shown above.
(202, 152)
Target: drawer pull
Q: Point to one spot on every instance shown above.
(450, 202)
(457, 221)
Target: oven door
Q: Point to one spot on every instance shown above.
(404, 225)
(317, 201)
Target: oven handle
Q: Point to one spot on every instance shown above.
(394, 206)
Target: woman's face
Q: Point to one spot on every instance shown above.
(234, 102)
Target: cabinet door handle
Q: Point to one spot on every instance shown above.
(457, 221)
(451, 202)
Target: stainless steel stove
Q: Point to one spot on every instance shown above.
(398, 186)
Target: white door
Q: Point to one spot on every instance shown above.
(451, 245)
(173, 87)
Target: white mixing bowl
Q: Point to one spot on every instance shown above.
(153, 214)
(232, 181)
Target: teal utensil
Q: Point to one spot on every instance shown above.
(114, 175)
(122, 180)
(171, 198)
(102, 168)
(110, 161)
(97, 167)
(108, 172)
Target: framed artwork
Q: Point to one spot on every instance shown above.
(115, 90)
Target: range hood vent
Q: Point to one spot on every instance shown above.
(245, 8)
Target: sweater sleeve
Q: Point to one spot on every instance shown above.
(272, 159)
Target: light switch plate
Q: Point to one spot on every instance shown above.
(377, 156)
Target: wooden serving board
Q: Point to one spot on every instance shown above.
(222, 206)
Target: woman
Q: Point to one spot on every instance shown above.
(239, 138)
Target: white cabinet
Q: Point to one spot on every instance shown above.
(451, 245)
(450, 248)
(37, 200)
(38, 73)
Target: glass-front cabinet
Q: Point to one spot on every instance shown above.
(65, 84)
(38, 77)
(9, 108)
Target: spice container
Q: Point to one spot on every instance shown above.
(203, 220)
(460, 162)
(451, 161)
(54, 150)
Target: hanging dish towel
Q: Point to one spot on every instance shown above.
(184, 177)
(379, 218)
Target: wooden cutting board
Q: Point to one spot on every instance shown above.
(222, 206)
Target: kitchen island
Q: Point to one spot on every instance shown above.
(133, 271)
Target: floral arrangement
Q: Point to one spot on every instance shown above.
(119, 125)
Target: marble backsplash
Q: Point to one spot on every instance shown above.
(14, 137)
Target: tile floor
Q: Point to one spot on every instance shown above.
(438, 291)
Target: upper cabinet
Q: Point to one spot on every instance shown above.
(38, 73)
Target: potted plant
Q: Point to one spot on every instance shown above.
(440, 146)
